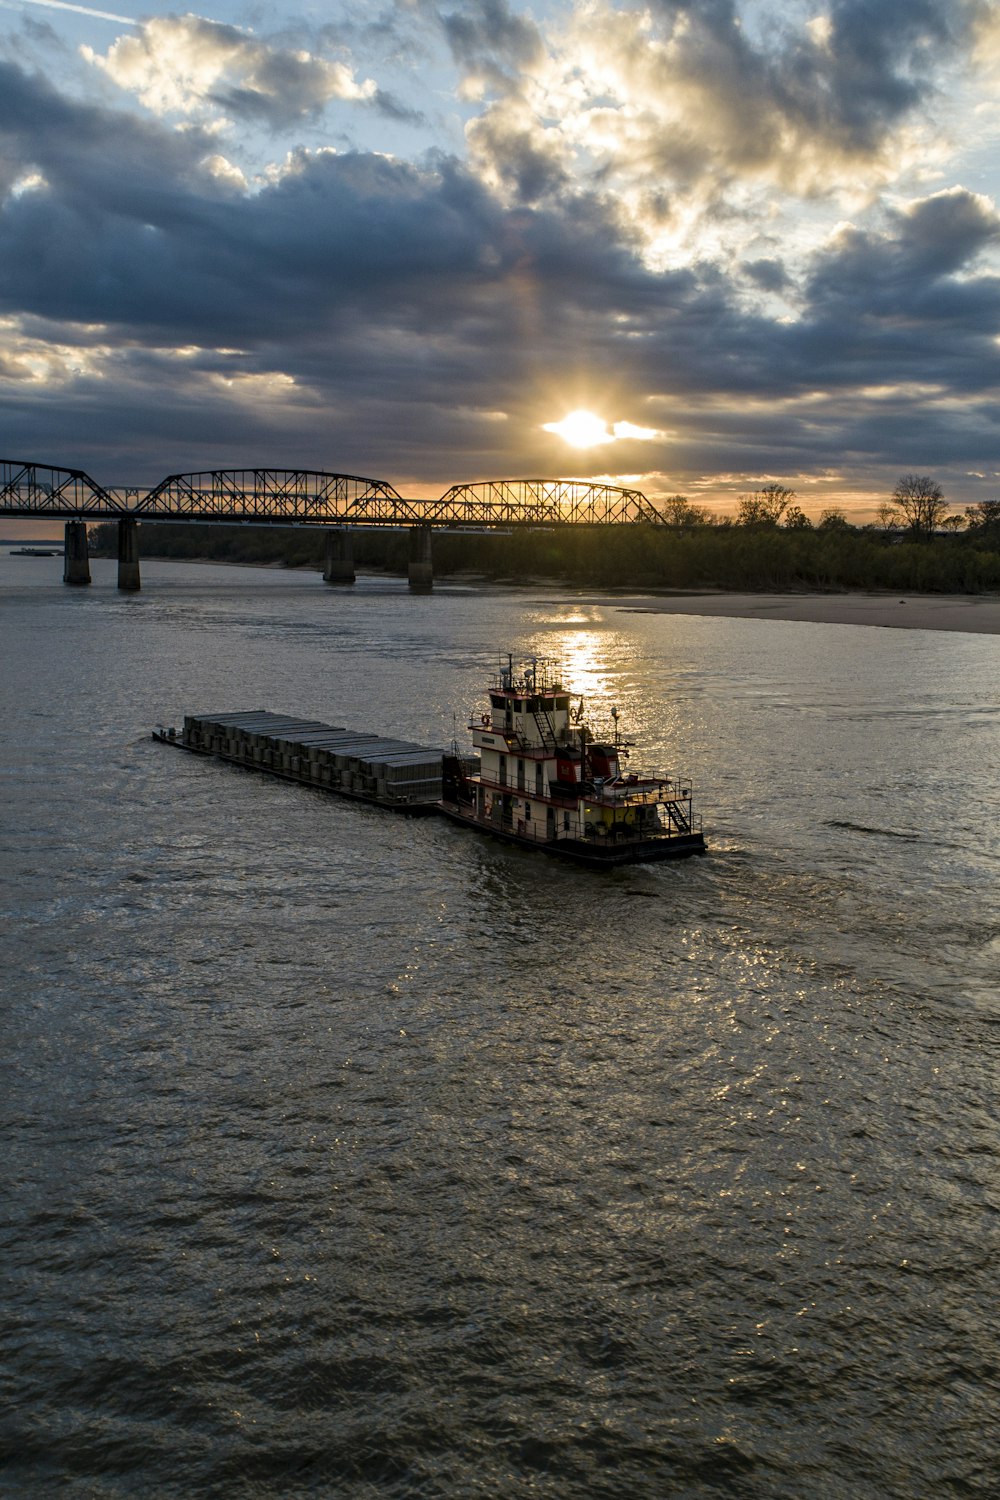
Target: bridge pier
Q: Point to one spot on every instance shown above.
(128, 553)
(421, 569)
(339, 556)
(76, 558)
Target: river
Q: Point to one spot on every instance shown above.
(352, 1155)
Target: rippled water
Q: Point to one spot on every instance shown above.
(347, 1155)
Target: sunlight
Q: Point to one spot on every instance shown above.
(581, 429)
(582, 657)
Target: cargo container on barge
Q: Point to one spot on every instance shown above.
(353, 763)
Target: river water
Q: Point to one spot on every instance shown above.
(351, 1155)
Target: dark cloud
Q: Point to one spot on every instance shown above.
(367, 314)
(769, 275)
(519, 155)
(840, 88)
(878, 63)
(914, 274)
(489, 41)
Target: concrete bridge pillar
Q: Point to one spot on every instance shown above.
(421, 570)
(128, 553)
(339, 556)
(76, 558)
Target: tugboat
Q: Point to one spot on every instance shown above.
(545, 781)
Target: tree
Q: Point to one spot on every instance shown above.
(921, 501)
(677, 510)
(763, 507)
(796, 519)
(887, 516)
(983, 516)
(834, 519)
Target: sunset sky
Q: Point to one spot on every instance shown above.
(742, 240)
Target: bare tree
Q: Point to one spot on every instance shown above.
(763, 507)
(921, 501)
(887, 517)
(984, 514)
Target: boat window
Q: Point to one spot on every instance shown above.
(496, 700)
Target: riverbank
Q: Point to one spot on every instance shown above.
(978, 614)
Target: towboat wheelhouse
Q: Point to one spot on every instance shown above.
(546, 781)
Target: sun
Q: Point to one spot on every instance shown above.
(581, 429)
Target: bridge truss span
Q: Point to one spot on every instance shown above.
(276, 497)
(540, 502)
(314, 497)
(29, 489)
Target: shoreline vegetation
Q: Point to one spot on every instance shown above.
(726, 557)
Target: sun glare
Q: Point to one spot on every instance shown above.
(581, 429)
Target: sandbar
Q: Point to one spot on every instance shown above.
(977, 614)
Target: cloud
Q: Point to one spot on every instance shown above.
(918, 270)
(699, 127)
(187, 65)
(492, 46)
(162, 308)
(518, 154)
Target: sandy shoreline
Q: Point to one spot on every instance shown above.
(977, 614)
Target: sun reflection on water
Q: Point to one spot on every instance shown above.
(607, 668)
(592, 662)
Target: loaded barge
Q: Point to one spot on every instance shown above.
(351, 762)
(539, 777)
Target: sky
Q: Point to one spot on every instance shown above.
(734, 242)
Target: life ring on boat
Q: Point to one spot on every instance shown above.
(484, 718)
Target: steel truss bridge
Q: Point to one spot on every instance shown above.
(310, 497)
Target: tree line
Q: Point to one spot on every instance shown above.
(913, 545)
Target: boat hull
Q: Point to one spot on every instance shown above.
(582, 852)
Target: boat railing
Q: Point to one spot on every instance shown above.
(643, 791)
(610, 795)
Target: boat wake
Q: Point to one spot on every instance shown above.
(885, 833)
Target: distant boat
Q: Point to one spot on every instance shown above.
(34, 552)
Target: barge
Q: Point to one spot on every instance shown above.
(539, 776)
(351, 762)
(546, 781)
